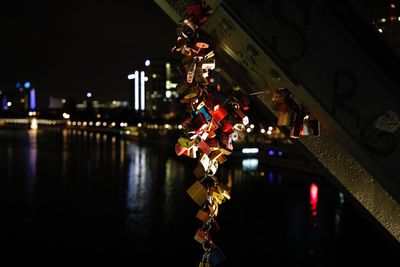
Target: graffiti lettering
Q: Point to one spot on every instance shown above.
(344, 88)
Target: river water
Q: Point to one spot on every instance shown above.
(77, 197)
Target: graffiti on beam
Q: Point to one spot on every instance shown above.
(344, 88)
(294, 15)
(377, 141)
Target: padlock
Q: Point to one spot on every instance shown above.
(198, 193)
(305, 130)
(199, 123)
(218, 112)
(221, 158)
(179, 150)
(204, 111)
(281, 100)
(297, 126)
(209, 55)
(198, 73)
(200, 236)
(203, 146)
(216, 255)
(226, 126)
(217, 197)
(205, 161)
(199, 171)
(202, 215)
(208, 64)
(214, 155)
(190, 74)
(213, 143)
(187, 29)
(190, 97)
(200, 46)
(213, 168)
(314, 127)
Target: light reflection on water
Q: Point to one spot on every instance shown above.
(128, 200)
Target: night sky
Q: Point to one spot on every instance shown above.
(67, 48)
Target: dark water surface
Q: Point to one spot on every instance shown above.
(74, 197)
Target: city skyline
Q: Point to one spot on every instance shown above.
(68, 50)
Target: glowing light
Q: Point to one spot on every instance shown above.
(168, 94)
(313, 199)
(73, 123)
(270, 128)
(167, 126)
(122, 124)
(98, 123)
(262, 131)
(136, 90)
(9, 104)
(27, 85)
(18, 85)
(252, 126)
(154, 75)
(380, 30)
(383, 19)
(250, 164)
(147, 63)
(90, 123)
(248, 130)
(392, 5)
(143, 79)
(34, 124)
(139, 125)
(131, 76)
(250, 150)
(180, 126)
(271, 152)
(112, 124)
(89, 94)
(280, 153)
(79, 123)
(63, 101)
(84, 123)
(66, 115)
(104, 124)
(269, 132)
(32, 99)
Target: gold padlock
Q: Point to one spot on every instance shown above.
(198, 193)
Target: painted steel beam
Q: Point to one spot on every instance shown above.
(307, 47)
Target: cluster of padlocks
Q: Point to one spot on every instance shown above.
(214, 121)
(294, 115)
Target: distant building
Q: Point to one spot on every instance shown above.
(162, 97)
(20, 99)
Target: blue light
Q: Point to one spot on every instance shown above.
(32, 99)
(271, 152)
(4, 103)
(27, 85)
(270, 177)
(18, 85)
(280, 153)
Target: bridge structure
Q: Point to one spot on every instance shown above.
(338, 67)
